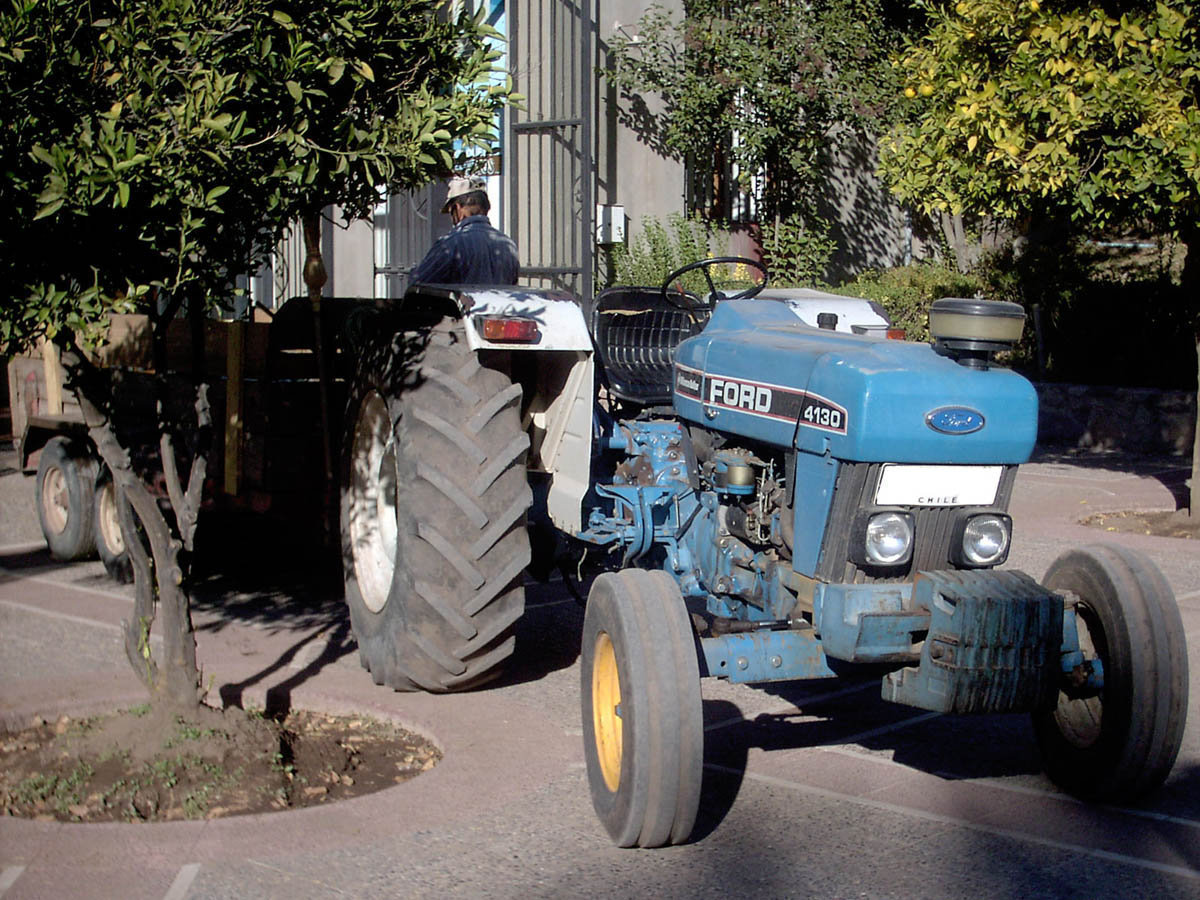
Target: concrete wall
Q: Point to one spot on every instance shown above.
(1133, 420)
(630, 172)
(866, 221)
(352, 273)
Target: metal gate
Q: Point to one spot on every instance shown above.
(405, 229)
(549, 154)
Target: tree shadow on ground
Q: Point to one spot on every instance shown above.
(285, 581)
(850, 711)
(28, 561)
(547, 635)
(1172, 472)
(331, 645)
(272, 575)
(31, 560)
(833, 714)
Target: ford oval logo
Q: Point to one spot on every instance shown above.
(954, 420)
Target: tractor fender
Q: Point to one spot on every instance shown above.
(560, 320)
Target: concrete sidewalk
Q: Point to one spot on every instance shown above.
(890, 796)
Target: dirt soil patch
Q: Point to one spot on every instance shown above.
(1177, 524)
(144, 765)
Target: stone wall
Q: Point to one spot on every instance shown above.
(1134, 420)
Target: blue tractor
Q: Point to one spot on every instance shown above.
(781, 496)
(774, 488)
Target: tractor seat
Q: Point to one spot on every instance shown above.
(636, 331)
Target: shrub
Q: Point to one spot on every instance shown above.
(906, 292)
(795, 253)
(651, 255)
(1108, 314)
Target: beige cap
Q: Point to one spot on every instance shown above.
(458, 186)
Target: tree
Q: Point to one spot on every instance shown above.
(1088, 108)
(154, 149)
(753, 93)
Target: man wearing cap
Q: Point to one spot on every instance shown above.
(473, 252)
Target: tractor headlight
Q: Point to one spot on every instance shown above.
(883, 539)
(983, 540)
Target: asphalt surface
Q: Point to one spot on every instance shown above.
(815, 789)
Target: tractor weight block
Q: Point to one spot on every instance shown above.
(993, 645)
(869, 623)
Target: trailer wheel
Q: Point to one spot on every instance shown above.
(433, 501)
(110, 542)
(643, 729)
(1119, 744)
(65, 491)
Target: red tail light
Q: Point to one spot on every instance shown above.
(508, 329)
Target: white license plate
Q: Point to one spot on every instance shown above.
(938, 485)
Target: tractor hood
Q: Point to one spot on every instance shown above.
(759, 372)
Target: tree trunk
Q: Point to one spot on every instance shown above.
(160, 582)
(955, 234)
(1189, 281)
(315, 277)
(1194, 482)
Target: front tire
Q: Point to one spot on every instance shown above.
(643, 724)
(1119, 744)
(65, 496)
(433, 501)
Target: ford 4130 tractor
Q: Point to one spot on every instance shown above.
(775, 487)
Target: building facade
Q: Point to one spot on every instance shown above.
(570, 178)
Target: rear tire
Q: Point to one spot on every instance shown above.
(65, 496)
(110, 542)
(643, 727)
(433, 501)
(1120, 744)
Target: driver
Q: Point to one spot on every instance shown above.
(473, 252)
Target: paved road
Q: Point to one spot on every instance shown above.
(814, 789)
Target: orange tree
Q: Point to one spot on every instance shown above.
(154, 149)
(1087, 108)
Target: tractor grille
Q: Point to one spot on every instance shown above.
(933, 527)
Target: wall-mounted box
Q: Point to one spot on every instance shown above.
(610, 224)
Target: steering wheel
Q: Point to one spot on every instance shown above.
(674, 293)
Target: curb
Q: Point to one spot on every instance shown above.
(475, 772)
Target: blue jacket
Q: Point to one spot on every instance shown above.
(472, 253)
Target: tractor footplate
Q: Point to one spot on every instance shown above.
(755, 656)
(993, 644)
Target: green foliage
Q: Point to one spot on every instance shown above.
(1108, 316)
(158, 784)
(796, 253)
(759, 85)
(188, 731)
(1015, 107)
(57, 792)
(649, 256)
(159, 147)
(906, 292)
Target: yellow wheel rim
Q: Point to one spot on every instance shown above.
(606, 710)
